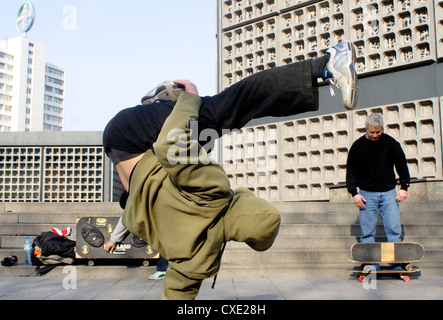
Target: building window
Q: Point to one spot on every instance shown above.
(58, 91)
(5, 76)
(6, 56)
(6, 98)
(55, 71)
(53, 118)
(53, 109)
(5, 119)
(58, 101)
(5, 108)
(55, 81)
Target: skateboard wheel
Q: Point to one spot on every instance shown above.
(146, 263)
(406, 278)
(408, 267)
(367, 268)
(91, 263)
(361, 278)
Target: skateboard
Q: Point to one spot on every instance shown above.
(402, 273)
(93, 233)
(402, 253)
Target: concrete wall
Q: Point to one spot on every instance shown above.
(54, 167)
(399, 52)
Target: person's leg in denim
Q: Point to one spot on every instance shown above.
(390, 215)
(368, 216)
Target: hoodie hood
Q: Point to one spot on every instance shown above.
(251, 220)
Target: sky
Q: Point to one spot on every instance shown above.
(114, 52)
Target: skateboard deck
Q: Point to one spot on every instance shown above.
(93, 233)
(387, 252)
(403, 273)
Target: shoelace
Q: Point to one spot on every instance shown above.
(332, 83)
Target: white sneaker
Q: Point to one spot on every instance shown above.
(342, 67)
(159, 275)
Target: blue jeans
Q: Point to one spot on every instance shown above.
(162, 264)
(389, 213)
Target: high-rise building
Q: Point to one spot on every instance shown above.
(32, 91)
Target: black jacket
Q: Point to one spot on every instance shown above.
(52, 244)
(371, 164)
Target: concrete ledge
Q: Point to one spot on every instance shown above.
(419, 191)
(429, 191)
(84, 209)
(45, 138)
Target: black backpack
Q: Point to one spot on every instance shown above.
(50, 250)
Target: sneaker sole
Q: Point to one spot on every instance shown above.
(354, 79)
(350, 98)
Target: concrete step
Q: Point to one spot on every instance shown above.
(289, 256)
(314, 239)
(280, 256)
(287, 232)
(330, 242)
(91, 209)
(407, 217)
(354, 230)
(103, 271)
(40, 217)
(282, 242)
(303, 256)
(349, 207)
(425, 217)
(79, 209)
(29, 229)
(245, 271)
(307, 270)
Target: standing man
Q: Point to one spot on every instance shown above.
(370, 169)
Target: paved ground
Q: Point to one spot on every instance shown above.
(332, 288)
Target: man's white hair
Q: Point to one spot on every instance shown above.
(374, 120)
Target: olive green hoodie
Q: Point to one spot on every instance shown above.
(181, 203)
